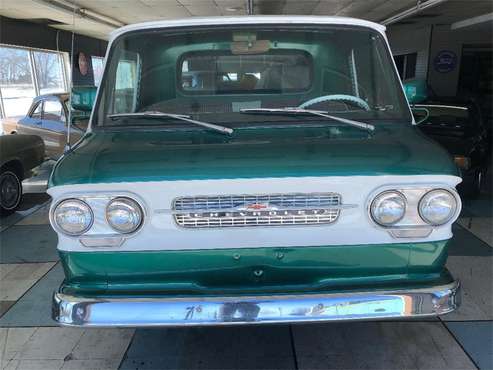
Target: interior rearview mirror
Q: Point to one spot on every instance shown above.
(250, 47)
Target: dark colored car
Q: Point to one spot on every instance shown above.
(47, 117)
(459, 127)
(19, 154)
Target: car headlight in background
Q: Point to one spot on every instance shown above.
(437, 207)
(73, 216)
(124, 215)
(388, 208)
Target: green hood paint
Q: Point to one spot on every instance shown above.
(194, 154)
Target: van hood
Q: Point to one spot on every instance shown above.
(164, 155)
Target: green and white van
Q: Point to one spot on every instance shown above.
(252, 170)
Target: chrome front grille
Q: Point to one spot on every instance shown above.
(257, 210)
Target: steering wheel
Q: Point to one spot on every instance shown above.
(337, 97)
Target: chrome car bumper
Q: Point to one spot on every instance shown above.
(82, 311)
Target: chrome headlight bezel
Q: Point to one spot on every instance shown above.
(412, 225)
(129, 203)
(385, 196)
(59, 228)
(453, 206)
(100, 228)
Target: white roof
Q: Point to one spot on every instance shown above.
(278, 19)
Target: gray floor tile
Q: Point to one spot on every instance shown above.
(480, 207)
(477, 339)
(68, 348)
(465, 243)
(34, 308)
(481, 227)
(5, 306)
(471, 261)
(30, 203)
(378, 345)
(91, 364)
(40, 217)
(247, 347)
(29, 243)
(12, 341)
(17, 278)
(476, 276)
(103, 344)
(34, 364)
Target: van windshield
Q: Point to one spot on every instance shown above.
(214, 74)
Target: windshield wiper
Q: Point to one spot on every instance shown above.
(295, 110)
(181, 117)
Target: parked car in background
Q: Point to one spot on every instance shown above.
(47, 117)
(19, 154)
(459, 127)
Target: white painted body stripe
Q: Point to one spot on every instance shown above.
(244, 20)
(160, 232)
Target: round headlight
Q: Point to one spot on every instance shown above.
(124, 215)
(437, 207)
(388, 208)
(73, 216)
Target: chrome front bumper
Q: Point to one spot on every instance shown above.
(82, 311)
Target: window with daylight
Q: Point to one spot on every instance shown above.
(49, 71)
(16, 81)
(26, 73)
(97, 69)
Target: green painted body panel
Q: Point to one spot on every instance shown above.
(155, 155)
(237, 271)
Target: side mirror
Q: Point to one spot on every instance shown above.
(83, 98)
(420, 114)
(415, 91)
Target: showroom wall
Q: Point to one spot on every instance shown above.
(439, 51)
(445, 39)
(21, 33)
(402, 44)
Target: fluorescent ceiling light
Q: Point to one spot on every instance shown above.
(419, 7)
(472, 21)
(70, 8)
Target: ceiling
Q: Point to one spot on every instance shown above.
(133, 11)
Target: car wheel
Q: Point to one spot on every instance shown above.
(10, 192)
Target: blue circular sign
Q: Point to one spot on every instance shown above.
(445, 61)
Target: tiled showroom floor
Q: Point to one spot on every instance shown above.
(29, 272)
